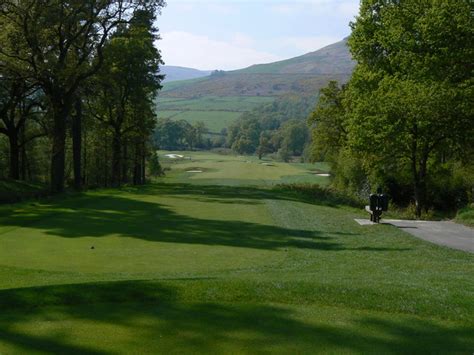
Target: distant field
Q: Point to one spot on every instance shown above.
(214, 103)
(216, 112)
(215, 120)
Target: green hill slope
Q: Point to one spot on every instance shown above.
(334, 59)
(302, 76)
(173, 73)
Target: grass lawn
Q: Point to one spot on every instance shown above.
(233, 170)
(221, 262)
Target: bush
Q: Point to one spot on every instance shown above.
(155, 167)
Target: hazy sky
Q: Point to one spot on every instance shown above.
(233, 34)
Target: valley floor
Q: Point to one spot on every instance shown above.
(210, 265)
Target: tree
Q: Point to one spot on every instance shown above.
(59, 45)
(155, 167)
(125, 86)
(244, 135)
(294, 136)
(411, 92)
(200, 129)
(328, 123)
(264, 145)
(18, 101)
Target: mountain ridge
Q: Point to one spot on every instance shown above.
(332, 59)
(305, 74)
(178, 73)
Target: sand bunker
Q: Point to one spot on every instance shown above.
(324, 175)
(194, 171)
(174, 156)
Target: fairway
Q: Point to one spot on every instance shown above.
(231, 170)
(223, 261)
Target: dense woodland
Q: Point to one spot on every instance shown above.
(405, 120)
(77, 84)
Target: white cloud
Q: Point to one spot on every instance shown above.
(346, 8)
(201, 52)
(242, 40)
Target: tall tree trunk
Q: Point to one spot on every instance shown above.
(143, 164)
(420, 188)
(77, 144)
(14, 156)
(116, 158)
(58, 157)
(85, 176)
(125, 164)
(24, 160)
(136, 166)
(417, 187)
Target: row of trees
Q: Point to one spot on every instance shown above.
(279, 127)
(77, 82)
(247, 136)
(405, 120)
(180, 135)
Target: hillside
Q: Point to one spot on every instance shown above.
(197, 99)
(248, 84)
(334, 59)
(303, 74)
(173, 73)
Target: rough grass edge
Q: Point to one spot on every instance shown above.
(12, 191)
(322, 194)
(466, 216)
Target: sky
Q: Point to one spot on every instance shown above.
(234, 34)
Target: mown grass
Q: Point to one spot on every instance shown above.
(239, 170)
(180, 266)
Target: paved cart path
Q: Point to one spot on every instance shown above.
(445, 233)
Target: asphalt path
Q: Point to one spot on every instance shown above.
(444, 233)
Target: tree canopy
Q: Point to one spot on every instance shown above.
(57, 50)
(408, 107)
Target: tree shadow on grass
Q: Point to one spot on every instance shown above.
(229, 194)
(155, 313)
(99, 216)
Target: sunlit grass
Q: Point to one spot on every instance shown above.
(191, 264)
